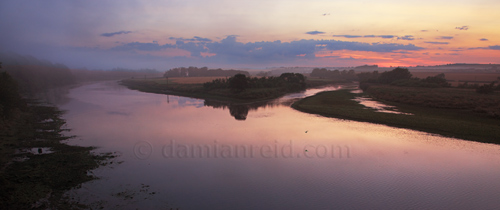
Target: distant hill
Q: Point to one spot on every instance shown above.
(457, 67)
(34, 75)
(202, 72)
(460, 67)
(366, 68)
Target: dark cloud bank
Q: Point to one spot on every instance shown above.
(315, 32)
(229, 49)
(115, 33)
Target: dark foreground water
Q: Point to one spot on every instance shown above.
(184, 153)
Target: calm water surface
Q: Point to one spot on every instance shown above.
(178, 152)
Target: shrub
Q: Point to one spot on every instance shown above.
(486, 88)
(438, 80)
(397, 74)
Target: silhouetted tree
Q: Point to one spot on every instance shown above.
(238, 82)
(317, 72)
(396, 74)
(438, 80)
(293, 81)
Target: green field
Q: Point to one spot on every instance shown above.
(451, 122)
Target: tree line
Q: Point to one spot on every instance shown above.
(241, 82)
(485, 88)
(334, 74)
(401, 77)
(202, 72)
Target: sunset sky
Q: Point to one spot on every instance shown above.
(252, 33)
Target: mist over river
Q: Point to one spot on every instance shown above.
(178, 152)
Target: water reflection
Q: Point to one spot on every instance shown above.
(377, 106)
(388, 168)
(240, 110)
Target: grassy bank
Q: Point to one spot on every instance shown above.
(193, 87)
(458, 123)
(37, 167)
(193, 90)
(487, 105)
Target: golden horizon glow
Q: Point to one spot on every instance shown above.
(385, 32)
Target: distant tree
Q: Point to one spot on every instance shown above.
(238, 82)
(486, 88)
(317, 72)
(438, 80)
(396, 74)
(293, 81)
(293, 77)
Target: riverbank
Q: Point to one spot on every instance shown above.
(450, 122)
(37, 166)
(193, 87)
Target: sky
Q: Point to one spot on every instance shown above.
(163, 34)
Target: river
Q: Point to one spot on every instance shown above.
(184, 153)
